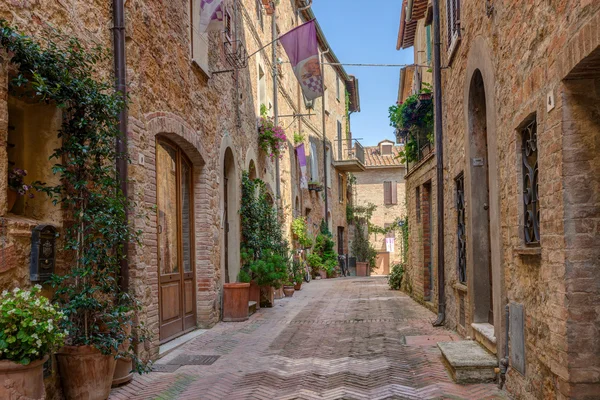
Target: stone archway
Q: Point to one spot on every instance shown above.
(483, 237)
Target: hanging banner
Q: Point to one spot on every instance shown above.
(211, 16)
(301, 153)
(389, 245)
(302, 48)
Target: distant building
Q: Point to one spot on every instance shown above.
(382, 184)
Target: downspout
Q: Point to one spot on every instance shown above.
(121, 144)
(324, 141)
(439, 155)
(275, 103)
(503, 364)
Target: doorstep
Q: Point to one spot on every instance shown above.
(485, 335)
(468, 362)
(166, 348)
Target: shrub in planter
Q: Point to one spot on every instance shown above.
(396, 275)
(270, 271)
(271, 137)
(300, 231)
(315, 263)
(29, 332)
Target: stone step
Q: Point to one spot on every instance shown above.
(468, 362)
(251, 307)
(484, 334)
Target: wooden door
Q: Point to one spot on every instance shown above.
(175, 241)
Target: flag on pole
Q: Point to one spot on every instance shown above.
(301, 153)
(302, 48)
(211, 16)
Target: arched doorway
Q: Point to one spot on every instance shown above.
(177, 295)
(230, 269)
(479, 203)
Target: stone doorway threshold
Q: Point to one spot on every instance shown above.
(166, 348)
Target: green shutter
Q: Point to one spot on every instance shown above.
(428, 31)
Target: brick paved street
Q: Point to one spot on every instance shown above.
(346, 338)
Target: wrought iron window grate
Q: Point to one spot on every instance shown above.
(461, 231)
(531, 209)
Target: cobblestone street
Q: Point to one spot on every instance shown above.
(346, 338)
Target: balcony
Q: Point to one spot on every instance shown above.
(348, 155)
(424, 152)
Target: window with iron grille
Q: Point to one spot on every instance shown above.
(461, 231)
(453, 16)
(531, 209)
(418, 207)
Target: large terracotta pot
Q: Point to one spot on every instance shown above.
(362, 268)
(22, 381)
(11, 199)
(288, 291)
(255, 293)
(124, 366)
(235, 301)
(85, 373)
(267, 296)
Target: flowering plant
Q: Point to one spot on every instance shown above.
(16, 182)
(271, 137)
(28, 326)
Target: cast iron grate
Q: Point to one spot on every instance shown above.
(187, 359)
(166, 368)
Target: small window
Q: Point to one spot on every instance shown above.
(341, 188)
(200, 41)
(386, 150)
(418, 203)
(453, 16)
(337, 87)
(314, 162)
(531, 205)
(325, 101)
(390, 192)
(259, 14)
(228, 26)
(262, 88)
(461, 228)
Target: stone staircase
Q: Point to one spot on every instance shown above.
(468, 362)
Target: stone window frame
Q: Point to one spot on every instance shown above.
(527, 121)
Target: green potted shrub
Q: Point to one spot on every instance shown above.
(29, 332)
(315, 263)
(324, 248)
(297, 274)
(395, 276)
(270, 271)
(300, 232)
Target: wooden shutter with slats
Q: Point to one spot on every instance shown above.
(387, 192)
(394, 190)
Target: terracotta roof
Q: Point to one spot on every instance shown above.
(412, 11)
(373, 157)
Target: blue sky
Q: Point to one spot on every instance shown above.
(366, 32)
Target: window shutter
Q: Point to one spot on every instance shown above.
(387, 193)
(394, 187)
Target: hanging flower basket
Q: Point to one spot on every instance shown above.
(316, 186)
(424, 96)
(271, 138)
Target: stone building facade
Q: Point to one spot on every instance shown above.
(191, 115)
(382, 184)
(521, 167)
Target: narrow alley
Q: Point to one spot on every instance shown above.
(349, 338)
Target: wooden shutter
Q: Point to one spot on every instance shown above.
(387, 192)
(394, 187)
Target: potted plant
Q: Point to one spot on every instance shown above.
(297, 274)
(315, 263)
(396, 275)
(288, 288)
(314, 185)
(270, 270)
(324, 248)
(17, 187)
(271, 137)
(363, 250)
(300, 231)
(29, 332)
(235, 298)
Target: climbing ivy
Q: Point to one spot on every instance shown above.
(60, 71)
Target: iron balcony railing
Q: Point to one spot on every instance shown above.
(348, 150)
(424, 151)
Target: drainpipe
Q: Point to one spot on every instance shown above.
(121, 145)
(324, 141)
(503, 365)
(439, 155)
(275, 103)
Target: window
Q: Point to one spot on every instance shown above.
(531, 211)
(386, 150)
(259, 14)
(418, 203)
(461, 231)
(227, 26)
(337, 87)
(314, 167)
(200, 41)
(428, 35)
(390, 192)
(325, 101)
(339, 142)
(262, 87)
(329, 167)
(341, 188)
(453, 15)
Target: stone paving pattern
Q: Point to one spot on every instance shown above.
(349, 338)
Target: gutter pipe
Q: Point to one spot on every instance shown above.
(439, 155)
(121, 144)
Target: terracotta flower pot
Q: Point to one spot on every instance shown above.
(124, 366)
(11, 198)
(288, 291)
(255, 293)
(22, 381)
(361, 268)
(235, 302)
(85, 373)
(267, 296)
(298, 286)
(278, 294)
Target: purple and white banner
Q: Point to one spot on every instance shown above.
(302, 48)
(211, 16)
(301, 153)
